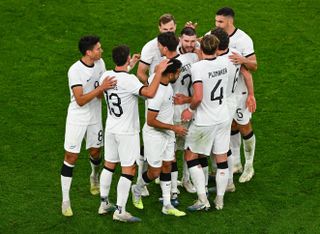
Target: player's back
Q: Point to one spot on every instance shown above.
(233, 71)
(213, 74)
(183, 84)
(122, 102)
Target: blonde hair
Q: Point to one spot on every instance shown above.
(209, 44)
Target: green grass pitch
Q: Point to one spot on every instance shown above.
(38, 43)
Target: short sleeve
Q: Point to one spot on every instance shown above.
(74, 78)
(134, 85)
(147, 54)
(155, 103)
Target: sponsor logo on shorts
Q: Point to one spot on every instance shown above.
(72, 146)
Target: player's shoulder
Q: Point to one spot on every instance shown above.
(151, 44)
(241, 35)
(99, 62)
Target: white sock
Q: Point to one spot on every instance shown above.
(222, 180)
(95, 166)
(198, 179)
(230, 167)
(206, 175)
(249, 146)
(140, 167)
(174, 182)
(143, 181)
(166, 189)
(66, 180)
(186, 172)
(105, 182)
(123, 189)
(235, 144)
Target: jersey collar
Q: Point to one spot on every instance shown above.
(233, 32)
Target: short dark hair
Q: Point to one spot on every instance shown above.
(188, 31)
(120, 54)
(209, 44)
(169, 40)
(222, 36)
(226, 11)
(173, 67)
(166, 18)
(87, 43)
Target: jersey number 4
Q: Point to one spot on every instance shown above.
(114, 104)
(220, 97)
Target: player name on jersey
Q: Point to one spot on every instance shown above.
(213, 74)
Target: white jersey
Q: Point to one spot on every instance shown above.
(80, 74)
(122, 101)
(213, 74)
(233, 71)
(183, 84)
(240, 41)
(162, 103)
(150, 55)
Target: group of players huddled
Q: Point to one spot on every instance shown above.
(197, 91)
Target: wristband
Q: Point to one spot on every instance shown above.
(189, 109)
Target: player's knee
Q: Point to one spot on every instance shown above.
(166, 167)
(245, 129)
(154, 173)
(70, 158)
(95, 153)
(129, 170)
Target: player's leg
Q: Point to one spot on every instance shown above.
(235, 144)
(186, 182)
(205, 168)
(220, 149)
(94, 141)
(174, 182)
(111, 158)
(249, 143)
(142, 167)
(73, 137)
(221, 179)
(193, 147)
(231, 187)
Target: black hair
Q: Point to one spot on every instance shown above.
(120, 54)
(169, 40)
(222, 36)
(188, 31)
(226, 11)
(173, 67)
(87, 43)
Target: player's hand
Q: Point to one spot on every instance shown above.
(135, 58)
(251, 103)
(180, 99)
(108, 83)
(186, 115)
(180, 130)
(190, 24)
(237, 58)
(162, 65)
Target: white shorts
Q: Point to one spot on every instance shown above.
(74, 135)
(232, 106)
(207, 139)
(158, 148)
(123, 148)
(242, 115)
(180, 140)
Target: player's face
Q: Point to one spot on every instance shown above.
(222, 22)
(188, 43)
(96, 52)
(162, 49)
(174, 76)
(168, 27)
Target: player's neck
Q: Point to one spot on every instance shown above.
(123, 68)
(206, 56)
(172, 54)
(230, 30)
(165, 80)
(87, 61)
(220, 52)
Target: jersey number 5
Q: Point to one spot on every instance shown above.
(114, 104)
(220, 97)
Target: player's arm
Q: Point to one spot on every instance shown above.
(142, 72)
(82, 99)
(153, 122)
(150, 91)
(195, 101)
(135, 58)
(251, 101)
(180, 99)
(249, 62)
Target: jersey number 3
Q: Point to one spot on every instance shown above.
(114, 104)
